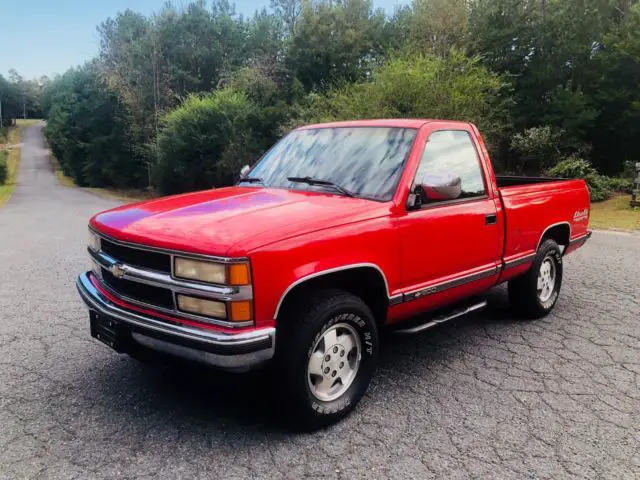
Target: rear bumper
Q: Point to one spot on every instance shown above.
(232, 351)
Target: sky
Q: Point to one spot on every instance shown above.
(43, 37)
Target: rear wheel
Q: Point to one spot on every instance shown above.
(326, 354)
(534, 294)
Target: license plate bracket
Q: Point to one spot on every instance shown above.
(108, 331)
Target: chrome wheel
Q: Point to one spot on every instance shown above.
(546, 278)
(334, 363)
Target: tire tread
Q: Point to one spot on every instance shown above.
(523, 289)
(293, 340)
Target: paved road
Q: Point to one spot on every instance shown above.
(485, 397)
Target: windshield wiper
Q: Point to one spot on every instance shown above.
(327, 183)
(251, 180)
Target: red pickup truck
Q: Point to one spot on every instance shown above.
(339, 230)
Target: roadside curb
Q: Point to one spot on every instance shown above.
(618, 231)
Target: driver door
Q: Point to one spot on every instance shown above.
(450, 248)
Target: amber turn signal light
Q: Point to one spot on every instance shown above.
(239, 274)
(240, 311)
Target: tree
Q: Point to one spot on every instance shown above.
(86, 132)
(264, 38)
(438, 26)
(9, 101)
(21, 97)
(615, 94)
(131, 64)
(549, 50)
(396, 31)
(288, 11)
(335, 42)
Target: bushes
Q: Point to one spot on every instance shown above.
(205, 142)
(536, 148)
(572, 167)
(601, 187)
(620, 185)
(3, 168)
(598, 188)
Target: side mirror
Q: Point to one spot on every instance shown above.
(244, 171)
(441, 186)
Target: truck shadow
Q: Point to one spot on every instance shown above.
(250, 403)
(194, 395)
(450, 339)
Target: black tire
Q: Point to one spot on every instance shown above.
(523, 290)
(299, 331)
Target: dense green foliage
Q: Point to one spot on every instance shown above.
(19, 98)
(3, 167)
(183, 98)
(422, 86)
(200, 143)
(3, 156)
(601, 187)
(87, 137)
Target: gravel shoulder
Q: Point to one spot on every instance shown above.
(485, 397)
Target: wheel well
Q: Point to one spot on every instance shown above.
(559, 233)
(364, 282)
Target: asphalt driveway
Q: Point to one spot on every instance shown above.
(484, 397)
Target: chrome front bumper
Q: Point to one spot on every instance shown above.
(231, 351)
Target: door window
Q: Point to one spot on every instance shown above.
(451, 153)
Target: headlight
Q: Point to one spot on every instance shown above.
(202, 271)
(210, 272)
(94, 241)
(241, 311)
(200, 306)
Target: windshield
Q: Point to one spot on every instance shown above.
(366, 161)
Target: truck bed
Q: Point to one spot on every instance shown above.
(533, 204)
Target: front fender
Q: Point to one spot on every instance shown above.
(279, 267)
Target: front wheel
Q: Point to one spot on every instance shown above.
(327, 355)
(534, 294)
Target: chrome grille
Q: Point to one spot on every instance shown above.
(160, 262)
(156, 296)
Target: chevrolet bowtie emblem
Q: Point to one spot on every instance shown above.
(117, 270)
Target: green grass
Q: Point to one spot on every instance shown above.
(57, 169)
(13, 165)
(3, 167)
(124, 195)
(27, 122)
(615, 214)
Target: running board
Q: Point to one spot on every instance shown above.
(445, 317)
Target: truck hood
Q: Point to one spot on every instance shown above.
(232, 221)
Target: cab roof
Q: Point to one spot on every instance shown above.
(389, 122)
